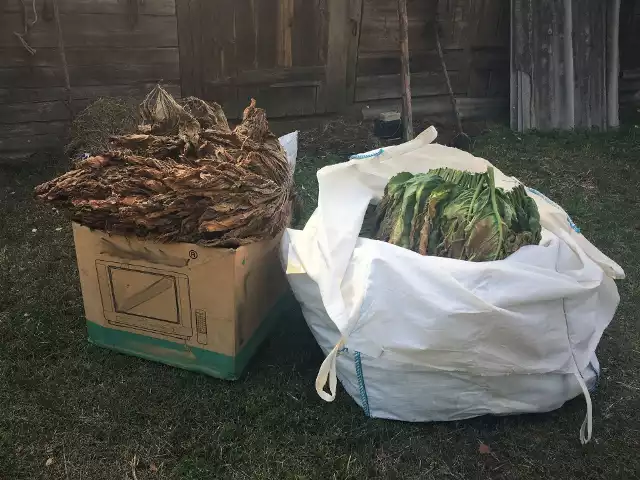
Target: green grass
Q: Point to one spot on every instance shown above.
(93, 411)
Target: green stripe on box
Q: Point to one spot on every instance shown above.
(185, 356)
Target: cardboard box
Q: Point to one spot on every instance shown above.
(202, 309)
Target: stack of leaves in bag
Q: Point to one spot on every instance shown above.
(185, 176)
(455, 214)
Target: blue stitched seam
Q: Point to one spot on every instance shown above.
(360, 156)
(363, 389)
(548, 200)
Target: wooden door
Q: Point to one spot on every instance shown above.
(290, 55)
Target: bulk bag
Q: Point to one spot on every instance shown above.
(422, 338)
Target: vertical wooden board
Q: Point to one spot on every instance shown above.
(589, 17)
(267, 26)
(337, 55)
(322, 30)
(305, 45)
(285, 33)
(541, 37)
(246, 35)
(188, 13)
(217, 33)
(355, 19)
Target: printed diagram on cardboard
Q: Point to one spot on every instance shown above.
(143, 298)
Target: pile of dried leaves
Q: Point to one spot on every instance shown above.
(185, 176)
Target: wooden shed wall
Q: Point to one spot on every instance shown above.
(110, 52)
(474, 37)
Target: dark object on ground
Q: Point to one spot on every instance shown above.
(454, 214)
(185, 177)
(388, 126)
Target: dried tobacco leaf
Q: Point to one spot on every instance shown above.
(183, 177)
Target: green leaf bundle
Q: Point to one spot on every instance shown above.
(455, 214)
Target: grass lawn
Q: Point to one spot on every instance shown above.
(89, 412)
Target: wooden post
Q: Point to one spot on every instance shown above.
(407, 114)
(613, 63)
(569, 73)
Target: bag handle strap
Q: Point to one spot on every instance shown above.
(327, 372)
(587, 425)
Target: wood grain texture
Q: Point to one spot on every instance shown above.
(355, 21)
(149, 7)
(234, 51)
(49, 56)
(189, 74)
(337, 56)
(94, 30)
(559, 64)
(590, 40)
(470, 108)
(108, 54)
(474, 37)
(285, 33)
(405, 72)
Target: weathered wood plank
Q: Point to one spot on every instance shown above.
(31, 95)
(539, 65)
(88, 75)
(337, 55)
(185, 47)
(478, 82)
(32, 143)
(470, 108)
(383, 34)
(149, 7)
(48, 94)
(629, 35)
(423, 84)
(227, 97)
(267, 32)
(386, 63)
(273, 76)
(188, 23)
(25, 129)
(95, 30)
(281, 102)
(498, 83)
(285, 33)
(217, 39)
(50, 57)
(246, 49)
(355, 20)
(31, 76)
(307, 41)
(589, 27)
(33, 112)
